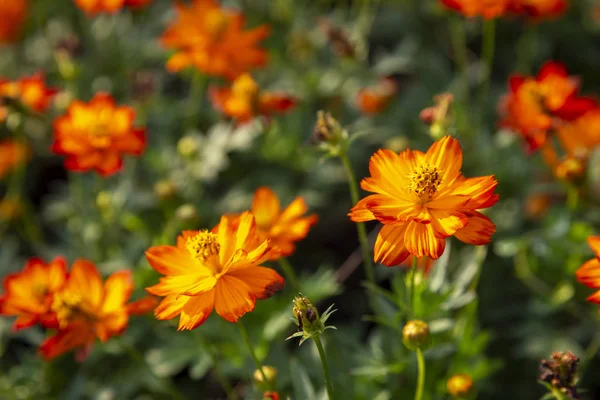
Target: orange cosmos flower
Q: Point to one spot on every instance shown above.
(580, 136)
(86, 309)
(96, 134)
(284, 227)
(488, 9)
(212, 40)
(422, 198)
(213, 270)
(31, 91)
(375, 99)
(532, 103)
(244, 100)
(12, 17)
(589, 272)
(12, 154)
(539, 8)
(28, 294)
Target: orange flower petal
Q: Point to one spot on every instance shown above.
(420, 240)
(446, 223)
(389, 246)
(117, 290)
(233, 298)
(478, 231)
(64, 341)
(264, 282)
(594, 243)
(189, 285)
(196, 310)
(360, 212)
(142, 306)
(446, 155)
(24, 321)
(589, 273)
(170, 260)
(85, 279)
(170, 307)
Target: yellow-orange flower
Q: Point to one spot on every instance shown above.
(213, 40)
(31, 91)
(12, 16)
(244, 100)
(87, 309)
(213, 270)
(283, 227)
(422, 198)
(12, 154)
(488, 9)
(28, 294)
(96, 135)
(589, 272)
(374, 99)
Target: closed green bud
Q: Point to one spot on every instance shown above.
(415, 335)
(307, 317)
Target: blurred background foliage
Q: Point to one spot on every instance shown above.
(494, 312)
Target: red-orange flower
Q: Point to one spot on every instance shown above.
(87, 309)
(589, 272)
(539, 8)
(96, 135)
(531, 104)
(31, 91)
(12, 154)
(213, 40)
(244, 100)
(374, 99)
(283, 227)
(422, 198)
(579, 137)
(213, 270)
(489, 9)
(28, 294)
(12, 16)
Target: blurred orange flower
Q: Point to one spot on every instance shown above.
(96, 135)
(86, 309)
(92, 7)
(532, 103)
(282, 227)
(489, 9)
(589, 272)
(539, 8)
(374, 99)
(212, 40)
(422, 198)
(581, 135)
(31, 91)
(244, 100)
(12, 154)
(213, 270)
(12, 17)
(28, 294)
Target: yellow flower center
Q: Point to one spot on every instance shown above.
(69, 306)
(203, 246)
(425, 181)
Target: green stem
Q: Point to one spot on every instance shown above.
(421, 375)
(289, 273)
(360, 226)
(195, 100)
(317, 340)
(412, 286)
(527, 49)
(257, 363)
(487, 53)
(459, 46)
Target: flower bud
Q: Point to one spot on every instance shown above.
(329, 135)
(560, 372)
(460, 385)
(307, 318)
(415, 334)
(270, 373)
(164, 189)
(186, 213)
(187, 146)
(439, 117)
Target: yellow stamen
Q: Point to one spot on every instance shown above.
(425, 181)
(68, 306)
(203, 245)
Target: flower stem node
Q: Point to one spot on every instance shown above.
(270, 373)
(460, 385)
(306, 316)
(415, 335)
(329, 136)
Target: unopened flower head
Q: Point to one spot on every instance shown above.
(460, 385)
(560, 372)
(270, 373)
(306, 316)
(329, 136)
(415, 335)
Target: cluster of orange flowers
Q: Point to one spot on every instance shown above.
(549, 106)
(490, 9)
(75, 304)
